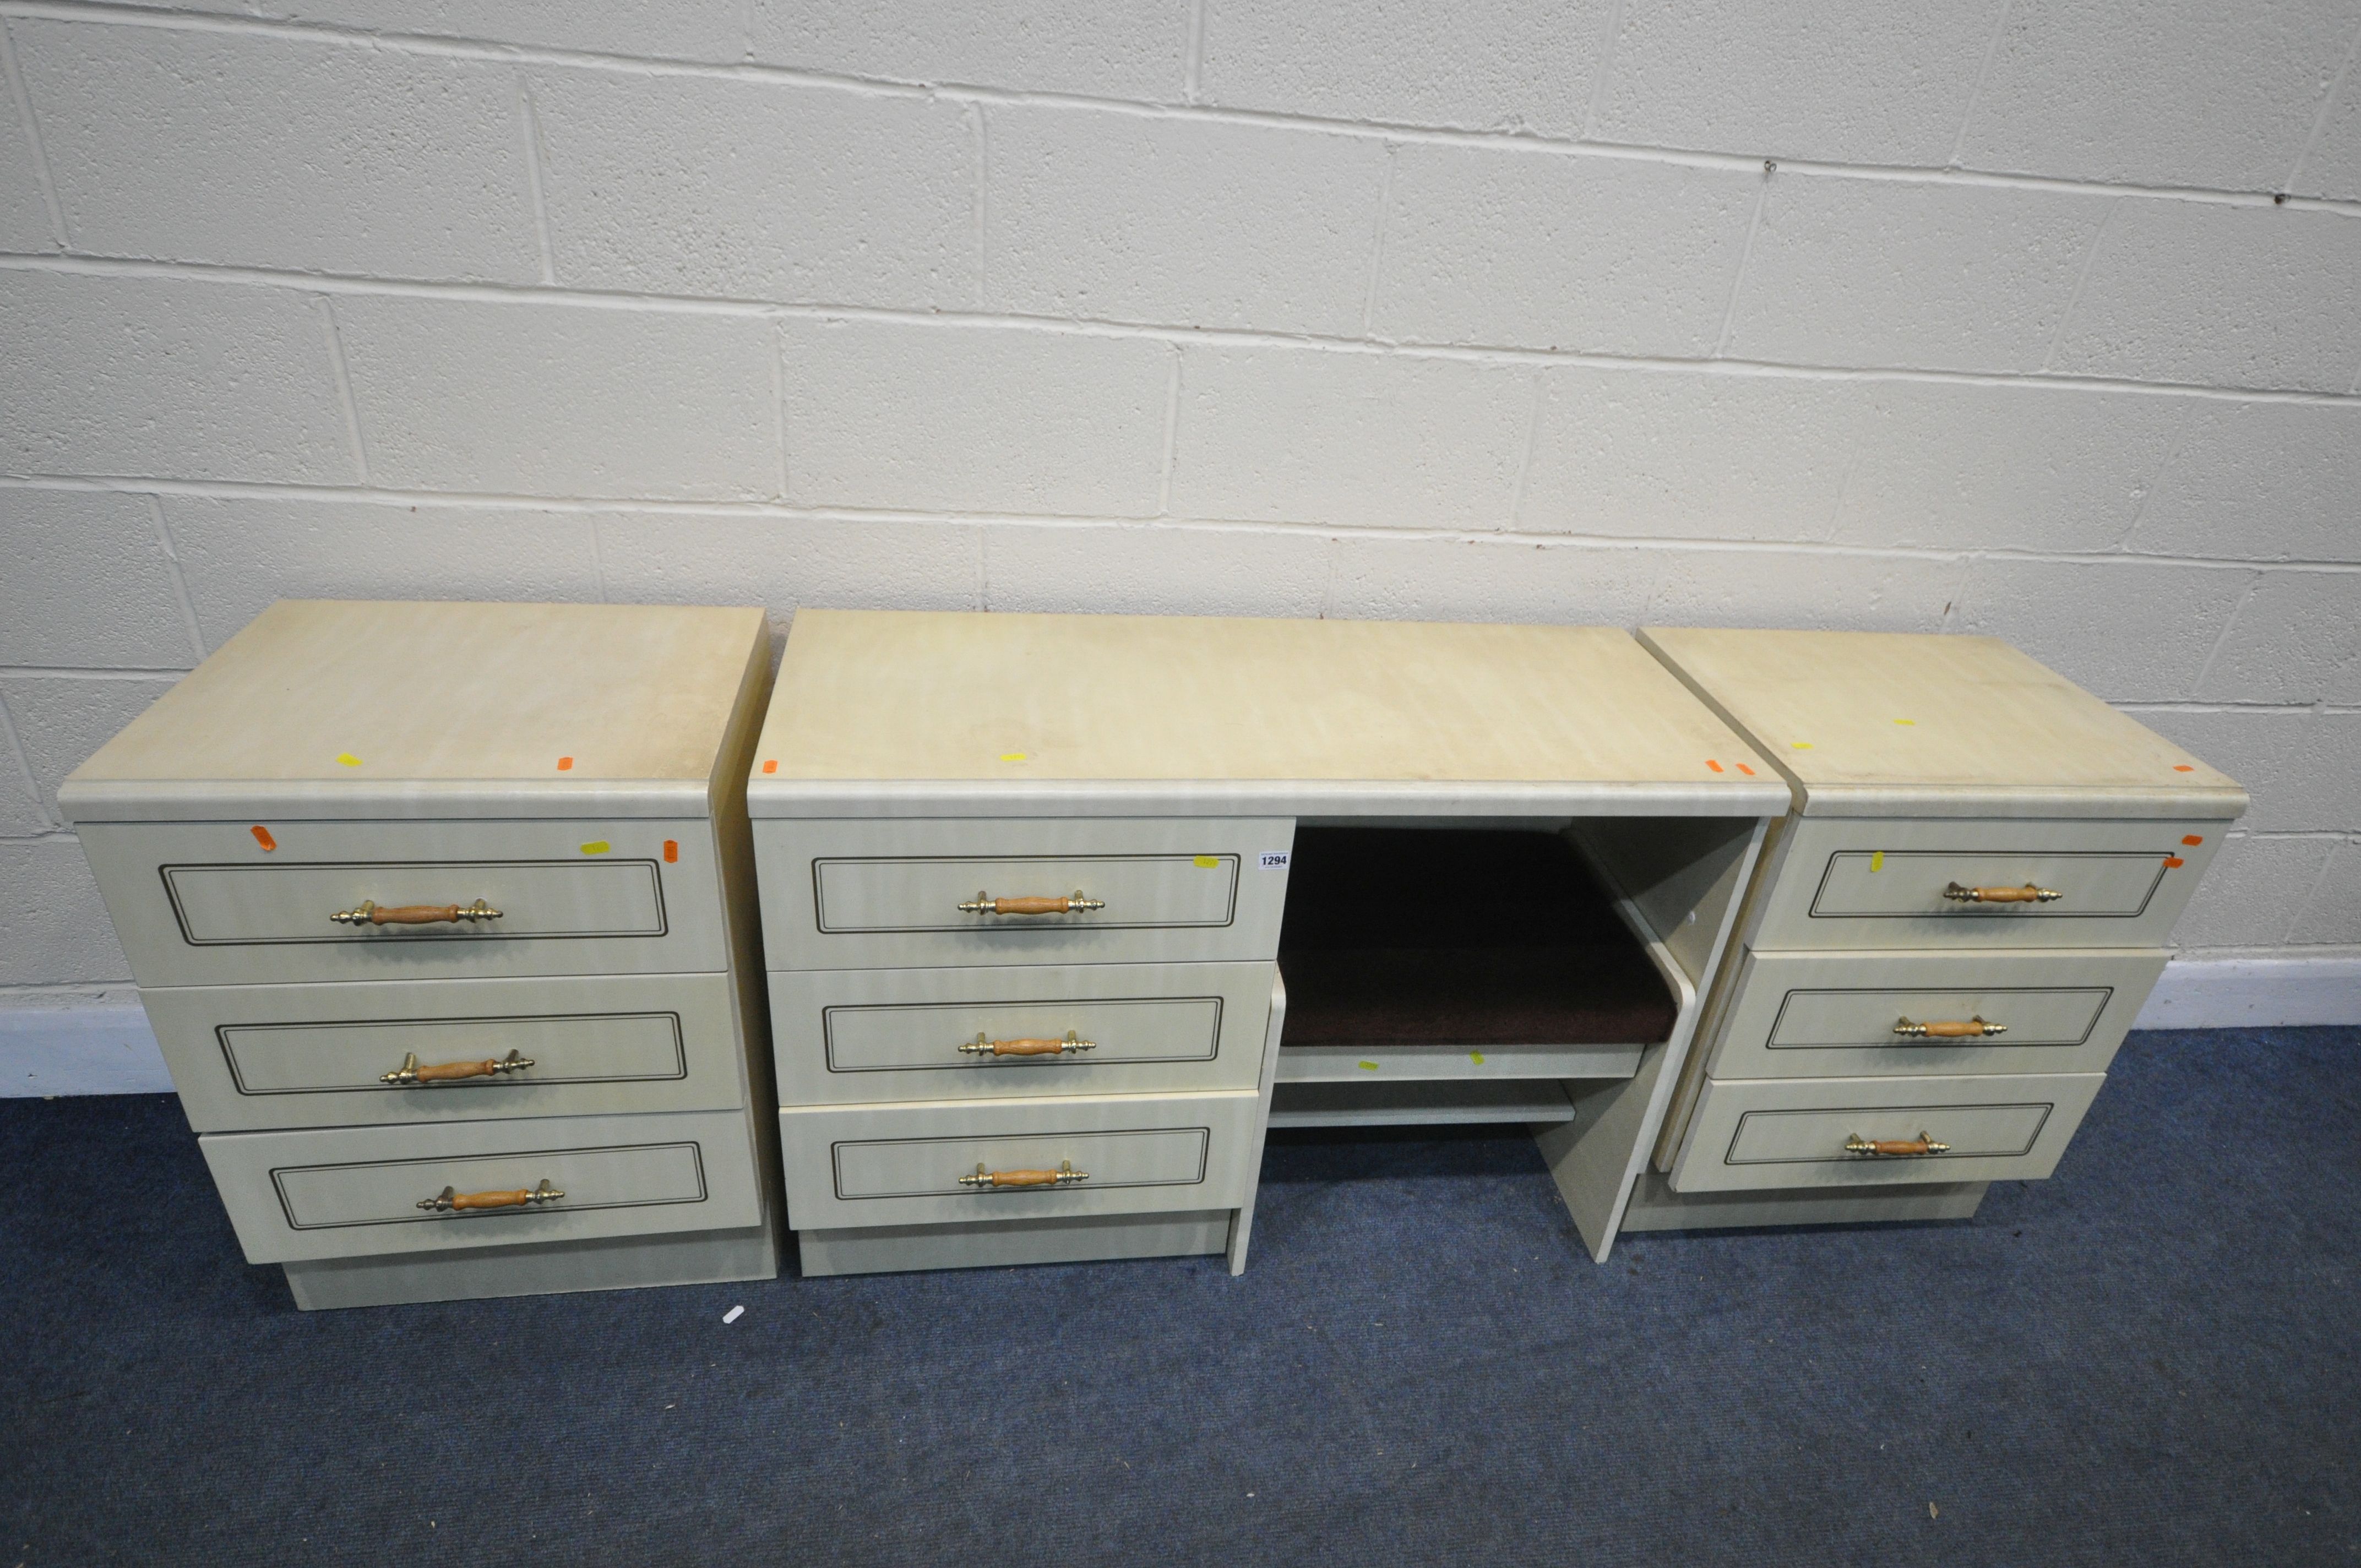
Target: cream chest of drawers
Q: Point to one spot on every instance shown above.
(443, 916)
(1946, 937)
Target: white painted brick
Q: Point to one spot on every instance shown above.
(248, 149)
(166, 379)
(1677, 455)
(1154, 569)
(237, 556)
(61, 720)
(787, 564)
(1878, 272)
(1801, 590)
(974, 419)
(2261, 482)
(1541, 250)
(1115, 216)
(1845, 80)
(2183, 92)
(2219, 296)
(2009, 467)
(2252, 892)
(1358, 440)
(562, 399)
(2127, 631)
(1559, 581)
(2333, 167)
(2296, 639)
(1485, 65)
(756, 189)
(22, 815)
(1111, 49)
(2334, 914)
(24, 215)
(87, 585)
(678, 29)
(2302, 768)
(53, 930)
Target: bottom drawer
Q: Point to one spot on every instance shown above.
(1786, 1132)
(856, 1166)
(356, 1192)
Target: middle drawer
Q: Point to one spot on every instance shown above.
(251, 1056)
(845, 1037)
(1856, 1014)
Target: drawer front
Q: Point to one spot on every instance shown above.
(250, 1057)
(885, 893)
(846, 1036)
(898, 1165)
(206, 904)
(354, 1191)
(1755, 1134)
(1881, 883)
(1842, 1015)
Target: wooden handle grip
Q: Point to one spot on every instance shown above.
(1903, 1147)
(2028, 894)
(1025, 1179)
(1031, 905)
(413, 915)
(516, 1200)
(445, 1071)
(1955, 1029)
(1027, 1048)
(1060, 1177)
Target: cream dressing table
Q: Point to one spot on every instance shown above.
(1947, 936)
(444, 917)
(1036, 891)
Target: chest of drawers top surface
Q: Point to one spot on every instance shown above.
(883, 713)
(332, 708)
(1874, 724)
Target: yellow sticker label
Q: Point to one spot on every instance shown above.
(1877, 861)
(1210, 863)
(1801, 745)
(1012, 756)
(1370, 1066)
(1912, 721)
(348, 758)
(597, 846)
(1476, 1057)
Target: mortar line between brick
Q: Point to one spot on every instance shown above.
(2303, 907)
(2221, 638)
(344, 388)
(753, 508)
(1192, 74)
(1602, 71)
(170, 547)
(510, 54)
(532, 132)
(2082, 277)
(1745, 255)
(25, 767)
(1377, 240)
(1172, 434)
(779, 400)
(1983, 74)
(2327, 107)
(745, 30)
(1525, 458)
(593, 524)
(32, 129)
(588, 299)
(975, 113)
(2181, 429)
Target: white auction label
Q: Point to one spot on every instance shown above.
(1274, 860)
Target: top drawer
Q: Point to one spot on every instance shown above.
(239, 904)
(878, 893)
(1848, 881)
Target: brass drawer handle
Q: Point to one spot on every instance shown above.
(985, 903)
(449, 1201)
(409, 1072)
(1971, 1029)
(372, 913)
(2028, 894)
(1063, 1175)
(982, 1047)
(1893, 1148)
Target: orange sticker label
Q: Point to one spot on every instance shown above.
(2182, 768)
(2172, 861)
(1714, 765)
(262, 836)
(772, 767)
(1747, 771)
(565, 764)
(2192, 841)
(672, 851)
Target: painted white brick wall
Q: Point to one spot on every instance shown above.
(1920, 316)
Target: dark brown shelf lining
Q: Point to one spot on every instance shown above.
(1462, 937)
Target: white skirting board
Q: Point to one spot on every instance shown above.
(106, 1048)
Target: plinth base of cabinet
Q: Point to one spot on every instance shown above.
(993, 1244)
(1656, 1207)
(617, 1263)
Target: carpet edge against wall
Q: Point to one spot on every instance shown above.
(106, 1048)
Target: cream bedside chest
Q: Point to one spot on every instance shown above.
(1062, 912)
(444, 917)
(1946, 937)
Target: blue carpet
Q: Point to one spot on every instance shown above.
(2151, 1359)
